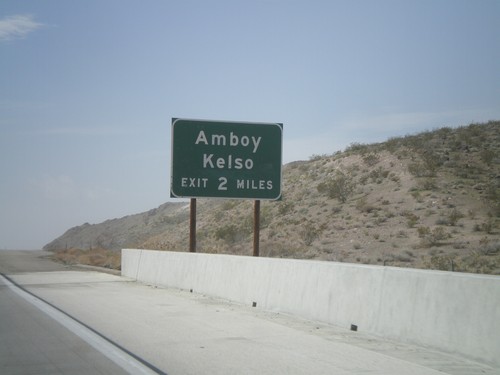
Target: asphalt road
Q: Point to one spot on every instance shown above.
(37, 338)
(34, 343)
(59, 320)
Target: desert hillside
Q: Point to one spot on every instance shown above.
(430, 200)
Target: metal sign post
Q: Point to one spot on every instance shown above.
(192, 225)
(256, 227)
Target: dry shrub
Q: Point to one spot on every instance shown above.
(95, 257)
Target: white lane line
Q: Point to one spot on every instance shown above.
(121, 358)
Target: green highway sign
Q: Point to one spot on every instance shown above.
(220, 159)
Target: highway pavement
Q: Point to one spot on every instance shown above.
(61, 320)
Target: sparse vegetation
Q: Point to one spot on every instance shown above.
(96, 257)
(340, 187)
(371, 159)
(429, 200)
(411, 219)
(309, 233)
(432, 237)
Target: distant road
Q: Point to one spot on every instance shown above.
(15, 261)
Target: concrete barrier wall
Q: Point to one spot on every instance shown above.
(455, 312)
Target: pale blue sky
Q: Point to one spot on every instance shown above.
(88, 89)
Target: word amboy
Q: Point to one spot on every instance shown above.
(234, 140)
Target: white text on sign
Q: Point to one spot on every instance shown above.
(234, 140)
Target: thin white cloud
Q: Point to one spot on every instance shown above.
(17, 27)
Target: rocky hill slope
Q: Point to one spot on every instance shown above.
(430, 200)
(128, 231)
